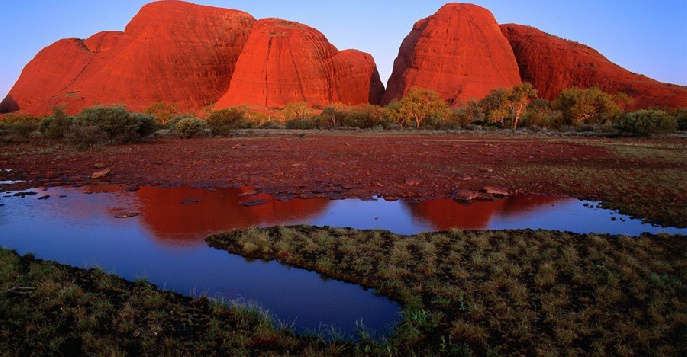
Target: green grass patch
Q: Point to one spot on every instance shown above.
(501, 292)
(51, 309)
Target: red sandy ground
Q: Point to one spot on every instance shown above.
(361, 165)
(334, 166)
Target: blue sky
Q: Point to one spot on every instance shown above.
(647, 37)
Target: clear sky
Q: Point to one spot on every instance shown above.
(647, 37)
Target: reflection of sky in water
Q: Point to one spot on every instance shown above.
(165, 242)
(80, 230)
(379, 214)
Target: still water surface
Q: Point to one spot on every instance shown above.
(164, 242)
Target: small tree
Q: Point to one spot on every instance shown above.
(518, 98)
(587, 106)
(468, 113)
(419, 105)
(163, 112)
(495, 105)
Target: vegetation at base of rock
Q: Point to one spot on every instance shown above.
(190, 127)
(51, 309)
(647, 123)
(418, 106)
(225, 121)
(501, 292)
(56, 125)
(163, 112)
(119, 124)
(576, 110)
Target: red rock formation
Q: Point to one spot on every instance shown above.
(459, 52)
(171, 51)
(552, 64)
(287, 62)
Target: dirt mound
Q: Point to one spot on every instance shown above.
(459, 52)
(171, 51)
(285, 62)
(552, 64)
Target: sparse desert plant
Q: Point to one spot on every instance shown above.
(647, 123)
(163, 112)
(85, 136)
(225, 121)
(190, 127)
(681, 118)
(119, 124)
(56, 125)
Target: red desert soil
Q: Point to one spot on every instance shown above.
(414, 166)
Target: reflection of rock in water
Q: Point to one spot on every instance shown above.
(444, 214)
(172, 220)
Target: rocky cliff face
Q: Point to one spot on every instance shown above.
(171, 51)
(459, 52)
(286, 62)
(192, 56)
(552, 64)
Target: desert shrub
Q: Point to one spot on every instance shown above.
(85, 136)
(303, 123)
(146, 124)
(298, 110)
(363, 116)
(119, 124)
(468, 113)
(163, 112)
(223, 122)
(270, 124)
(540, 114)
(681, 118)
(18, 127)
(647, 122)
(190, 127)
(56, 125)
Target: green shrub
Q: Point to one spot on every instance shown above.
(223, 122)
(647, 122)
(23, 129)
(146, 124)
(189, 127)
(363, 116)
(56, 125)
(119, 124)
(18, 127)
(681, 118)
(300, 124)
(85, 136)
(270, 124)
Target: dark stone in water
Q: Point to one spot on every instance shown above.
(189, 201)
(252, 203)
(127, 215)
(45, 197)
(25, 193)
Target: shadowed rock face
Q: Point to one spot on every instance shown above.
(171, 51)
(287, 62)
(552, 64)
(459, 52)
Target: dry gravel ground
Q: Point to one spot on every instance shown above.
(642, 177)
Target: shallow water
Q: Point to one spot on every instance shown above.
(163, 239)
